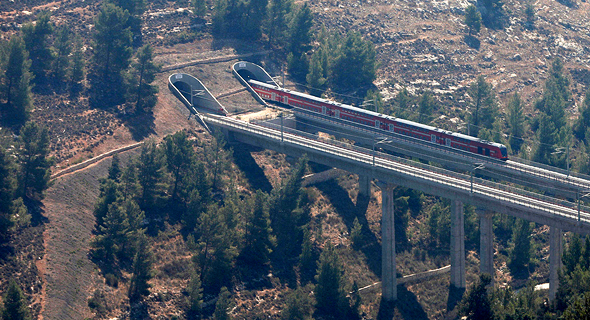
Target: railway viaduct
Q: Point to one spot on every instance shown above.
(390, 171)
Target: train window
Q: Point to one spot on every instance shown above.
(487, 151)
(480, 150)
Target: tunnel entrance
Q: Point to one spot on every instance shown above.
(185, 89)
(247, 75)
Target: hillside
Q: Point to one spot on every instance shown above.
(420, 46)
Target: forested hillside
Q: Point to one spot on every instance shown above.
(191, 226)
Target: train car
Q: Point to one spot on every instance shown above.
(376, 120)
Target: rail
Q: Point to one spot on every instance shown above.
(576, 180)
(450, 179)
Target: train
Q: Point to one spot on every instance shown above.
(379, 121)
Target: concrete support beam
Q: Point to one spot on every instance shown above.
(388, 266)
(365, 186)
(457, 245)
(486, 251)
(555, 251)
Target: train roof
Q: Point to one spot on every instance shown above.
(373, 113)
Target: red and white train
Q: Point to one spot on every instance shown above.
(379, 121)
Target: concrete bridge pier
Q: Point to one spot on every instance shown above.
(364, 186)
(486, 245)
(555, 251)
(388, 266)
(457, 245)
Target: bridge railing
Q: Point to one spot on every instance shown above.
(423, 171)
(552, 173)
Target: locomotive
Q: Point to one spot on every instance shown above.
(379, 121)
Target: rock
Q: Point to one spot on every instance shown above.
(517, 57)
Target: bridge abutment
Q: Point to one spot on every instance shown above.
(555, 251)
(457, 244)
(388, 266)
(486, 243)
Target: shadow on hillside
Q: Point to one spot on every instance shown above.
(140, 125)
(407, 306)
(455, 296)
(255, 175)
(472, 42)
(348, 211)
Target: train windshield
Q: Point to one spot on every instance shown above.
(504, 152)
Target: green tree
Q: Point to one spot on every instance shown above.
(472, 19)
(15, 303)
(439, 223)
(256, 11)
(135, 8)
(484, 104)
(195, 297)
(7, 186)
(199, 8)
(520, 255)
(277, 22)
(580, 309)
(111, 56)
(63, 48)
(329, 291)
(492, 13)
(582, 124)
(530, 16)
(142, 272)
(258, 241)
(426, 105)
(356, 234)
(35, 164)
(557, 96)
(476, 304)
(315, 76)
(150, 173)
(78, 63)
(572, 256)
(218, 158)
(16, 84)
(143, 92)
(222, 305)
(109, 194)
(113, 235)
(403, 102)
(515, 122)
(300, 36)
(547, 136)
(179, 159)
(288, 213)
(115, 168)
(374, 100)
(36, 38)
(299, 306)
(356, 65)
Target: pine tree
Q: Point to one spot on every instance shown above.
(143, 92)
(356, 65)
(485, 105)
(315, 77)
(403, 102)
(472, 19)
(63, 48)
(300, 36)
(547, 137)
(329, 291)
(298, 306)
(135, 8)
(179, 159)
(476, 303)
(425, 107)
(142, 272)
(557, 95)
(492, 13)
(255, 16)
(572, 256)
(530, 16)
(111, 56)
(113, 235)
(109, 194)
(222, 306)
(16, 86)
(258, 241)
(580, 309)
(199, 8)
(150, 177)
(195, 297)
(277, 23)
(7, 186)
(217, 158)
(15, 303)
(35, 164)
(515, 122)
(583, 122)
(78, 63)
(115, 168)
(36, 38)
(521, 252)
